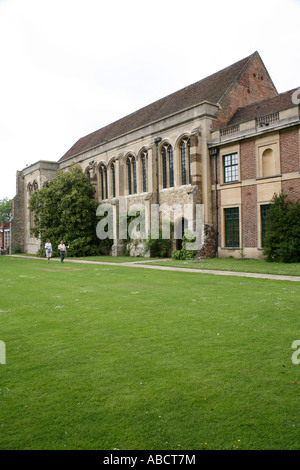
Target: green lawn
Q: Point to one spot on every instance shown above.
(109, 357)
(103, 258)
(222, 264)
(236, 264)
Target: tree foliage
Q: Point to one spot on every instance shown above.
(282, 241)
(160, 247)
(5, 210)
(66, 210)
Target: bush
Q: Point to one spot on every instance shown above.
(159, 248)
(184, 253)
(282, 241)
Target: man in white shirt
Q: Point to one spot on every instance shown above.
(62, 251)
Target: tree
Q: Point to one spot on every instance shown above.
(5, 210)
(66, 210)
(282, 241)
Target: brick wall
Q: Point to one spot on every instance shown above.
(249, 216)
(247, 160)
(254, 85)
(289, 150)
(292, 189)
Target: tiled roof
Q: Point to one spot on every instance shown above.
(210, 89)
(263, 108)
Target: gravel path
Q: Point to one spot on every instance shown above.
(147, 265)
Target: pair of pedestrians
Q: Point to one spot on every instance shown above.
(61, 248)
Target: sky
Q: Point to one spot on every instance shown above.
(70, 67)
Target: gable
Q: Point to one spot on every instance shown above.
(227, 87)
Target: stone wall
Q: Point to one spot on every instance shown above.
(17, 239)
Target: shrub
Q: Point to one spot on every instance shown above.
(184, 253)
(282, 241)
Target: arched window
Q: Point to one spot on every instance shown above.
(131, 175)
(103, 181)
(185, 161)
(167, 160)
(134, 175)
(113, 178)
(144, 160)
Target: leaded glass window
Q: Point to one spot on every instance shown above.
(103, 182)
(231, 168)
(232, 227)
(167, 166)
(128, 163)
(134, 175)
(164, 167)
(171, 166)
(185, 155)
(144, 171)
(113, 179)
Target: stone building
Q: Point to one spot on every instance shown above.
(4, 238)
(226, 143)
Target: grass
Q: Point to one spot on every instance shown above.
(103, 258)
(105, 357)
(222, 264)
(236, 264)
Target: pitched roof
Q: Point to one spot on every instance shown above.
(263, 108)
(211, 89)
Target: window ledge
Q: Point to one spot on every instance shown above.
(267, 177)
(232, 248)
(231, 182)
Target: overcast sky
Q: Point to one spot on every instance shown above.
(70, 67)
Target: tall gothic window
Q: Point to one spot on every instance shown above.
(103, 181)
(144, 161)
(167, 160)
(131, 175)
(185, 161)
(113, 178)
(134, 175)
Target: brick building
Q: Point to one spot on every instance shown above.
(227, 143)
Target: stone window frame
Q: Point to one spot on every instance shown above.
(103, 181)
(262, 145)
(143, 180)
(166, 164)
(131, 173)
(230, 167)
(184, 151)
(224, 209)
(224, 152)
(112, 167)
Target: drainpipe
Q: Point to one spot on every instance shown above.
(214, 153)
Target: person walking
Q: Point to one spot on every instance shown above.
(48, 250)
(62, 251)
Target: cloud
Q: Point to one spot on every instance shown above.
(70, 67)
